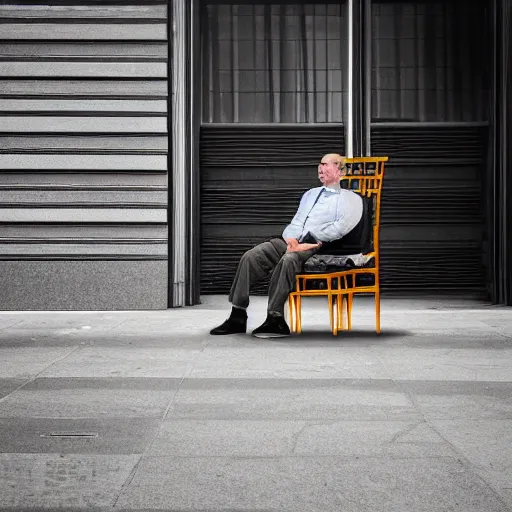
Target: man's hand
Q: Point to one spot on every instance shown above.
(303, 247)
(291, 243)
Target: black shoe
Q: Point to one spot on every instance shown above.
(235, 324)
(272, 327)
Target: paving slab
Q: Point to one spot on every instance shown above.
(270, 360)
(314, 484)
(215, 438)
(51, 480)
(452, 365)
(90, 398)
(460, 399)
(390, 439)
(487, 445)
(291, 399)
(258, 438)
(125, 362)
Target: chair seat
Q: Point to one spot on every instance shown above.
(328, 263)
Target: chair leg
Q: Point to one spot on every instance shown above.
(349, 311)
(330, 305)
(333, 306)
(298, 314)
(339, 312)
(377, 311)
(290, 313)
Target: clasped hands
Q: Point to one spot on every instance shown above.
(293, 245)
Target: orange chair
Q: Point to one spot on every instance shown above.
(364, 176)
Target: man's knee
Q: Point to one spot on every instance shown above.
(252, 253)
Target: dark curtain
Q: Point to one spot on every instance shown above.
(274, 63)
(499, 175)
(428, 61)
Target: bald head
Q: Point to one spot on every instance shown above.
(336, 158)
(330, 168)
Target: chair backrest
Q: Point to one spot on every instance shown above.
(365, 175)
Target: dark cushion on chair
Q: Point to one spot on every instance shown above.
(359, 240)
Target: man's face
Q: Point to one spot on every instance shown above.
(328, 171)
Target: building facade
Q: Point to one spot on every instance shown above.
(145, 145)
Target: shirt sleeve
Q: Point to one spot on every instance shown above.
(294, 229)
(330, 231)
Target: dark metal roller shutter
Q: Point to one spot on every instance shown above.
(432, 212)
(431, 231)
(83, 155)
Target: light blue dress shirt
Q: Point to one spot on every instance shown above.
(328, 213)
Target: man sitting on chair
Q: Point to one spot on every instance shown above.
(325, 214)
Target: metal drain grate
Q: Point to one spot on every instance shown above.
(71, 435)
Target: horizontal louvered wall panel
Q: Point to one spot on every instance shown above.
(55, 51)
(112, 89)
(432, 266)
(253, 178)
(83, 123)
(43, 197)
(52, 251)
(84, 162)
(84, 144)
(103, 214)
(429, 144)
(77, 233)
(83, 69)
(80, 12)
(83, 30)
(262, 146)
(71, 180)
(75, 106)
(15, 144)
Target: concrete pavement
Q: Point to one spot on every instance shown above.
(144, 411)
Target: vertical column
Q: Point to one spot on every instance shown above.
(367, 74)
(184, 173)
(194, 190)
(499, 180)
(359, 77)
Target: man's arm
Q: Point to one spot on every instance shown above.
(330, 231)
(334, 230)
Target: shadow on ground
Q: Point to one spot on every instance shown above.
(327, 335)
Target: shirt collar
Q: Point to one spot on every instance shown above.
(334, 189)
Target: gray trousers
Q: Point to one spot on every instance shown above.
(260, 261)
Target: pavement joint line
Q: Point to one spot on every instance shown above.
(11, 325)
(469, 466)
(28, 381)
(353, 456)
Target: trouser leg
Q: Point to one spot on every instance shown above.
(283, 278)
(255, 264)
